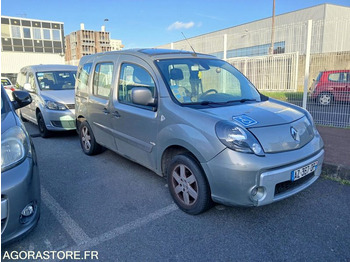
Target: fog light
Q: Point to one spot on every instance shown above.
(257, 193)
(28, 213)
(28, 210)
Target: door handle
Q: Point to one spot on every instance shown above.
(116, 114)
(105, 111)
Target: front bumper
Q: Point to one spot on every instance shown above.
(20, 186)
(232, 175)
(59, 120)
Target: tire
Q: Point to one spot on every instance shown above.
(325, 99)
(44, 132)
(188, 185)
(87, 140)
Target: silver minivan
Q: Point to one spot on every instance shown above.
(198, 121)
(52, 90)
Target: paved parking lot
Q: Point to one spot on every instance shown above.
(124, 212)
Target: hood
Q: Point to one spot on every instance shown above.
(277, 126)
(259, 114)
(62, 96)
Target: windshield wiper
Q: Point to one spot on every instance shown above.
(240, 100)
(206, 102)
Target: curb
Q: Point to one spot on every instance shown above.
(336, 171)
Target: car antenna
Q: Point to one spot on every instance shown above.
(194, 52)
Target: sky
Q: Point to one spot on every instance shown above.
(150, 23)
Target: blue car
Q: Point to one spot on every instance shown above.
(20, 185)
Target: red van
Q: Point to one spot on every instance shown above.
(331, 86)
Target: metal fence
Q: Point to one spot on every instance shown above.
(310, 64)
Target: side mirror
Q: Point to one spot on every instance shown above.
(142, 96)
(28, 87)
(21, 99)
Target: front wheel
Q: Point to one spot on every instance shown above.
(44, 132)
(188, 185)
(87, 140)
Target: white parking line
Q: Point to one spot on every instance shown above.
(72, 228)
(122, 229)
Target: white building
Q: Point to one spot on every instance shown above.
(330, 29)
(116, 45)
(29, 41)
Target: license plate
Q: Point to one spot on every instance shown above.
(303, 171)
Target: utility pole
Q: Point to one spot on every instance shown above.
(273, 29)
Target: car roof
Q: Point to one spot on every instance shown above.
(50, 67)
(150, 53)
(336, 71)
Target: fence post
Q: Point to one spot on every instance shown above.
(307, 61)
(225, 46)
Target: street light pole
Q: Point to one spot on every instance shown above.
(273, 29)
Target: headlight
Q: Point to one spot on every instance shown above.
(54, 105)
(238, 138)
(15, 146)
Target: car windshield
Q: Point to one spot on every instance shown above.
(56, 80)
(206, 81)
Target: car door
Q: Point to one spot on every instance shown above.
(99, 117)
(338, 85)
(135, 126)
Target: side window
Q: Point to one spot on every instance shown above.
(21, 79)
(31, 81)
(103, 79)
(132, 76)
(83, 77)
(334, 77)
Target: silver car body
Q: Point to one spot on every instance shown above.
(285, 132)
(55, 120)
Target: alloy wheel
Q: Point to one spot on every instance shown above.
(185, 185)
(86, 138)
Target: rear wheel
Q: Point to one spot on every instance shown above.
(44, 132)
(87, 140)
(188, 185)
(325, 99)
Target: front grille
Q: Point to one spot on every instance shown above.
(288, 185)
(64, 124)
(70, 106)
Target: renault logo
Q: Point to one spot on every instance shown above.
(295, 134)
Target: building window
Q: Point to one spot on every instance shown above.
(257, 50)
(5, 31)
(47, 34)
(16, 31)
(26, 32)
(56, 35)
(37, 33)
